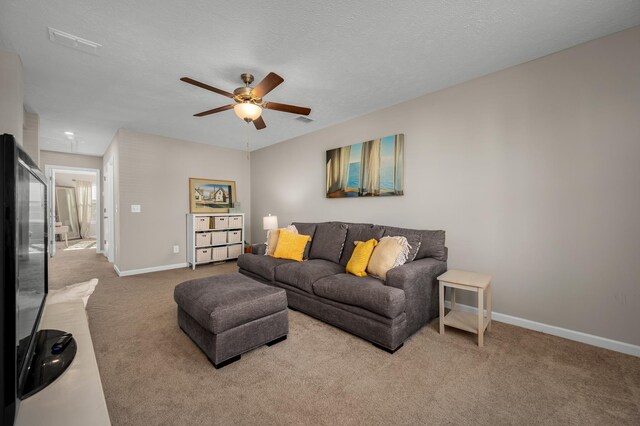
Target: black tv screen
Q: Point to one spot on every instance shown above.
(31, 291)
(23, 268)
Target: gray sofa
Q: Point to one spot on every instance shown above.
(384, 313)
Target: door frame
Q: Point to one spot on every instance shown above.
(108, 212)
(50, 172)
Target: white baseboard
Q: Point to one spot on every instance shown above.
(147, 270)
(578, 336)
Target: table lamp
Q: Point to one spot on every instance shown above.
(270, 222)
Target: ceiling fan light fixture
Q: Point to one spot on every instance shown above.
(249, 100)
(247, 111)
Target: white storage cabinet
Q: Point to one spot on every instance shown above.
(214, 237)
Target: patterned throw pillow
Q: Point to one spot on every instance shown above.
(389, 253)
(272, 238)
(359, 260)
(291, 245)
(413, 237)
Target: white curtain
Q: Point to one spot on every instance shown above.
(333, 170)
(370, 168)
(338, 169)
(398, 156)
(345, 155)
(83, 202)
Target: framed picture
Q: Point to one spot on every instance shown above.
(211, 196)
(369, 169)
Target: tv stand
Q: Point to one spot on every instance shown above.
(76, 397)
(45, 366)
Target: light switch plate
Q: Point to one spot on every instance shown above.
(135, 208)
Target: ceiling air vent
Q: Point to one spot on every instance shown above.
(304, 119)
(69, 40)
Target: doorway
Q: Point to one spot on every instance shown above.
(73, 208)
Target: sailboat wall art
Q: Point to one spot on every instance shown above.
(373, 168)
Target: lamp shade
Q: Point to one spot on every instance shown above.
(270, 222)
(247, 111)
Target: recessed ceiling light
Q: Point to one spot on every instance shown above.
(68, 133)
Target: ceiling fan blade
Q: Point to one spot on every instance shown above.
(213, 111)
(287, 108)
(207, 87)
(259, 123)
(270, 82)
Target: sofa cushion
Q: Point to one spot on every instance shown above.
(302, 275)
(263, 266)
(359, 232)
(413, 236)
(432, 245)
(306, 229)
(328, 241)
(366, 292)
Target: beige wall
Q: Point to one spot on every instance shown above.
(154, 172)
(11, 95)
(52, 158)
(31, 136)
(532, 171)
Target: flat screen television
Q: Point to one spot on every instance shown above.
(23, 268)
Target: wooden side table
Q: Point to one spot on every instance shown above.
(470, 281)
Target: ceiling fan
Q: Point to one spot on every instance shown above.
(248, 100)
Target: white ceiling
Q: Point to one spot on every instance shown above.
(341, 58)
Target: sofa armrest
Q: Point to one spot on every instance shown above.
(419, 280)
(258, 248)
(419, 271)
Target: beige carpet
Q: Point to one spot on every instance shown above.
(77, 263)
(154, 375)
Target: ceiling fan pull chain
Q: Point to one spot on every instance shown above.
(246, 135)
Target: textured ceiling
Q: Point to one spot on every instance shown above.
(341, 58)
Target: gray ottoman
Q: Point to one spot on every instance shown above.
(228, 315)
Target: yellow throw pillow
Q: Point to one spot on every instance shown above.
(272, 238)
(389, 253)
(357, 265)
(291, 245)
